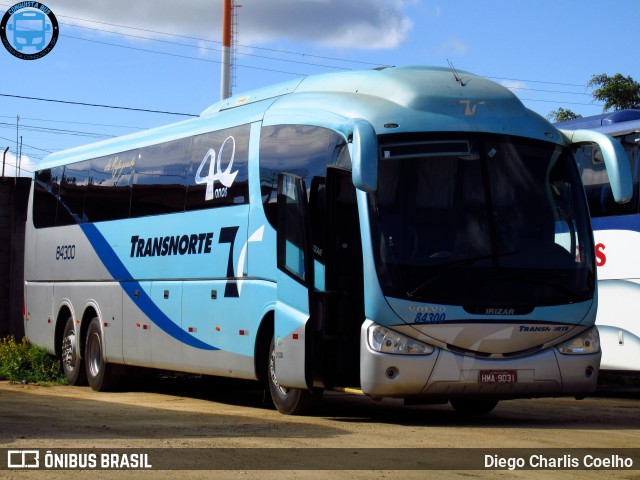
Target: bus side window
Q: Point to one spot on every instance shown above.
(45, 200)
(72, 194)
(160, 179)
(109, 188)
(218, 174)
(302, 150)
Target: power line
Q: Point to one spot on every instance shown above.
(539, 81)
(206, 40)
(547, 91)
(180, 56)
(306, 55)
(76, 123)
(56, 131)
(26, 145)
(84, 104)
(215, 49)
(561, 102)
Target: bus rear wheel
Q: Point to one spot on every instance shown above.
(98, 371)
(70, 361)
(288, 401)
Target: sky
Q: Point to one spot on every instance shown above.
(149, 56)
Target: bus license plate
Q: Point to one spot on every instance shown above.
(498, 376)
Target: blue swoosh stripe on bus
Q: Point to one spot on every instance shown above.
(118, 271)
(622, 222)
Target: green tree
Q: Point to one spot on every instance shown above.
(562, 115)
(617, 92)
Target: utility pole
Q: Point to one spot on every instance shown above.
(225, 78)
(15, 171)
(20, 156)
(4, 159)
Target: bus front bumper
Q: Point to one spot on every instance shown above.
(445, 374)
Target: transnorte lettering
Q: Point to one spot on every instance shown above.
(196, 243)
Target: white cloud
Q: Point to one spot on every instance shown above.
(27, 166)
(366, 24)
(453, 46)
(513, 84)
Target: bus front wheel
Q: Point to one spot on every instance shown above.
(98, 371)
(70, 361)
(288, 401)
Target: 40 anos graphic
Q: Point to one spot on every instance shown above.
(29, 30)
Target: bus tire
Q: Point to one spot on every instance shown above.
(288, 401)
(473, 406)
(98, 371)
(70, 362)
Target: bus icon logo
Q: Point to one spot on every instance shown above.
(23, 459)
(29, 29)
(29, 32)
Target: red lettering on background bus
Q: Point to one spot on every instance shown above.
(601, 258)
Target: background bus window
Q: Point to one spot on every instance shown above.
(596, 181)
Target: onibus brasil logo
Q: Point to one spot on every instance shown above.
(29, 30)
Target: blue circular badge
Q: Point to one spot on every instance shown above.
(29, 30)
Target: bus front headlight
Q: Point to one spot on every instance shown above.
(586, 343)
(383, 340)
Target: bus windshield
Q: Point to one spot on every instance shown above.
(481, 220)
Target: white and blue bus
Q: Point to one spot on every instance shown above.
(616, 230)
(404, 232)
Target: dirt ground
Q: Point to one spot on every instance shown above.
(203, 428)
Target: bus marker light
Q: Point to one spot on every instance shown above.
(295, 336)
(192, 329)
(138, 324)
(217, 329)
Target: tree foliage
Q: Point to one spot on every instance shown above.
(617, 92)
(562, 115)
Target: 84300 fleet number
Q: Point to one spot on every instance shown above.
(65, 252)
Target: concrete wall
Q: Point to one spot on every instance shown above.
(13, 210)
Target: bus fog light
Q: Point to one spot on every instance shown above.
(383, 340)
(587, 342)
(392, 372)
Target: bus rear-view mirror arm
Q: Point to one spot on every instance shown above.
(615, 159)
(364, 156)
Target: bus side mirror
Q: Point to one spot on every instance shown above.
(364, 156)
(615, 159)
